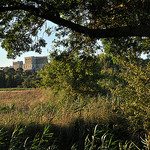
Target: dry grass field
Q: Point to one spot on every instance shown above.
(7, 97)
(42, 107)
(70, 120)
(15, 106)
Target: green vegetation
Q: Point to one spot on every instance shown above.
(87, 101)
(18, 79)
(107, 110)
(38, 118)
(92, 19)
(14, 89)
(76, 75)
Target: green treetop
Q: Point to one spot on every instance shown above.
(21, 20)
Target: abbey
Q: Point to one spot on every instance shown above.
(31, 63)
(34, 63)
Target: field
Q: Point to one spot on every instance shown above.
(37, 117)
(41, 106)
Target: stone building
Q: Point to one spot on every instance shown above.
(18, 64)
(34, 63)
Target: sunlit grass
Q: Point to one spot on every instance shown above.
(71, 119)
(41, 106)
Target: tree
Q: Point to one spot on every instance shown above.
(11, 71)
(135, 73)
(10, 77)
(19, 71)
(127, 48)
(30, 81)
(135, 95)
(83, 75)
(22, 19)
(2, 79)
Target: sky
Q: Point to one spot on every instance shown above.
(45, 51)
(8, 62)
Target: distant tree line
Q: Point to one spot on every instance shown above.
(84, 75)
(12, 78)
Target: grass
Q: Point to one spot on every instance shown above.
(40, 107)
(14, 89)
(32, 116)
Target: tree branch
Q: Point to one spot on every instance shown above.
(52, 15)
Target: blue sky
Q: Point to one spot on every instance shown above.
(45, 51)
(8, 62)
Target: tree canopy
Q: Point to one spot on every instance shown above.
(21, 20)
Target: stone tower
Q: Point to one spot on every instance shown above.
(34, 63)
(18, 64)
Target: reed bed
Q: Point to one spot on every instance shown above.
(71, 122)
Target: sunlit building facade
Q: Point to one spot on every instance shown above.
(34, 63)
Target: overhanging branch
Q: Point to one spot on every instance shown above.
(140, 30)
